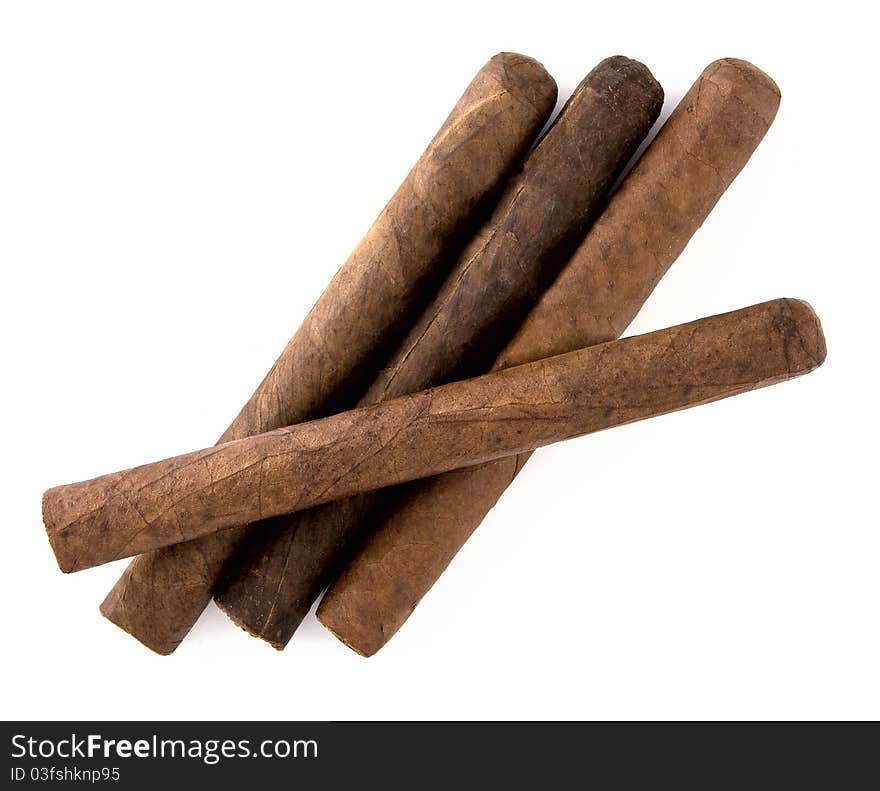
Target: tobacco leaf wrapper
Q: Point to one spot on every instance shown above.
(279, 570)
(510, 411)
(669, 193)
(361, 317)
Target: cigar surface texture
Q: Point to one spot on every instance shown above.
(362, 316)
(514, 410)
(669, 193)
(276, 574)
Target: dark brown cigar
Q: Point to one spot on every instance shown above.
(361, 317)
(514, 410)
(278, 573)
(670, 192)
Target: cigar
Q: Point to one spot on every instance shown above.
(669, 193)
(363, 314)
(514, 410)
(279, 570)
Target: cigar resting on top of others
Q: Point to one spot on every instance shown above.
(513, 410)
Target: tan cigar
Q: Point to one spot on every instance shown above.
(444, 428)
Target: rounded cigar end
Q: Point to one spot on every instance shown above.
(631, 93)
(525, 78)
(805, 339)
(633, 72)
(754, 87)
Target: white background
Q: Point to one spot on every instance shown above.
(178, 183)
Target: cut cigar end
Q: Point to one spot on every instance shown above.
(113, 613)
(326, 620)
(233, 616)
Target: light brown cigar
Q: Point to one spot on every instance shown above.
(277, 573)
(514, 410)
(667, 196)
(361, 317)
